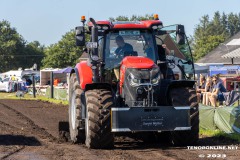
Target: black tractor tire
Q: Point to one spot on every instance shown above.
(76, 127)
(186, 96)
(98, 119)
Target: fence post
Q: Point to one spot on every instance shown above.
(34, 88)
(51, 84)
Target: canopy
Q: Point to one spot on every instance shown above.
(200, 69)
(213, 70)
(234, 54)
(64, 70)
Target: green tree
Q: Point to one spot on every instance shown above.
(15, 52)
(34, 53)
(233, 24)
(64, 53)
(11, 44)
(224, 23)
(210, 33)
(132, 18)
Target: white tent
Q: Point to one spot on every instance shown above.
(201, 68)
(45, 75)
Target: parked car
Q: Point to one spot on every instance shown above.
(5, 85)
(8, 85)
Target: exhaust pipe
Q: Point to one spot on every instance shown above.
(95, 63)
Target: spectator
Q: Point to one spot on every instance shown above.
(207, 92)
(13, 78)
(217, 91)
(201, 87)
(202, 82)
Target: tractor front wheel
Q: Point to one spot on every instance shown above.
(98, 119)
(186, 96)
(76, 128)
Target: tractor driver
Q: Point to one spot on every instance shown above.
(120, 52)
(148, 48)
(122, 46)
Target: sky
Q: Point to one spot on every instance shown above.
(47, 21)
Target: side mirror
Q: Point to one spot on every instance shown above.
(80, 36)
(180, 34)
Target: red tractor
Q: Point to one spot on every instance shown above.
(130, 85)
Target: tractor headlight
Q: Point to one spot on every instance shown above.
(133, 80)
(155, 80)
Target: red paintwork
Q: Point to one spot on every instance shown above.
(137, 62)
(228, 82)
(129, 25)
(141, 24)
(101, 23)
(85, 74)
(134, 62)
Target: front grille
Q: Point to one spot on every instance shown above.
(145, 81)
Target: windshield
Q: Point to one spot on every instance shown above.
(181, 53)
(122, 43)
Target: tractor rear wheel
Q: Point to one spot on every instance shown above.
(98, 119)
(76, 128)
(186, 96)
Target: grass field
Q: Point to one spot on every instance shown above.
(4, 95)
(218, 134)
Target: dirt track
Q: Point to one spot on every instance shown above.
(29, 130)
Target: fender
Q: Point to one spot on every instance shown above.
(181, 83)
(75, 70)
(98, 86)
(167, 85)
(84, 74)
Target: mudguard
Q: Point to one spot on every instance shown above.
(166, 85)
(182, 83)
(84, 74)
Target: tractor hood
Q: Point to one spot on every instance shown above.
(137, 62)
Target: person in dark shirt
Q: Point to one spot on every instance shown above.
(122, 47)
(217, 91)
(122, 51)
(201, 88)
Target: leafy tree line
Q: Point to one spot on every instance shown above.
(64, 53)
(15, 52)
(209, 33)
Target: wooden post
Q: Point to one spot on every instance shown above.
(34, 88)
